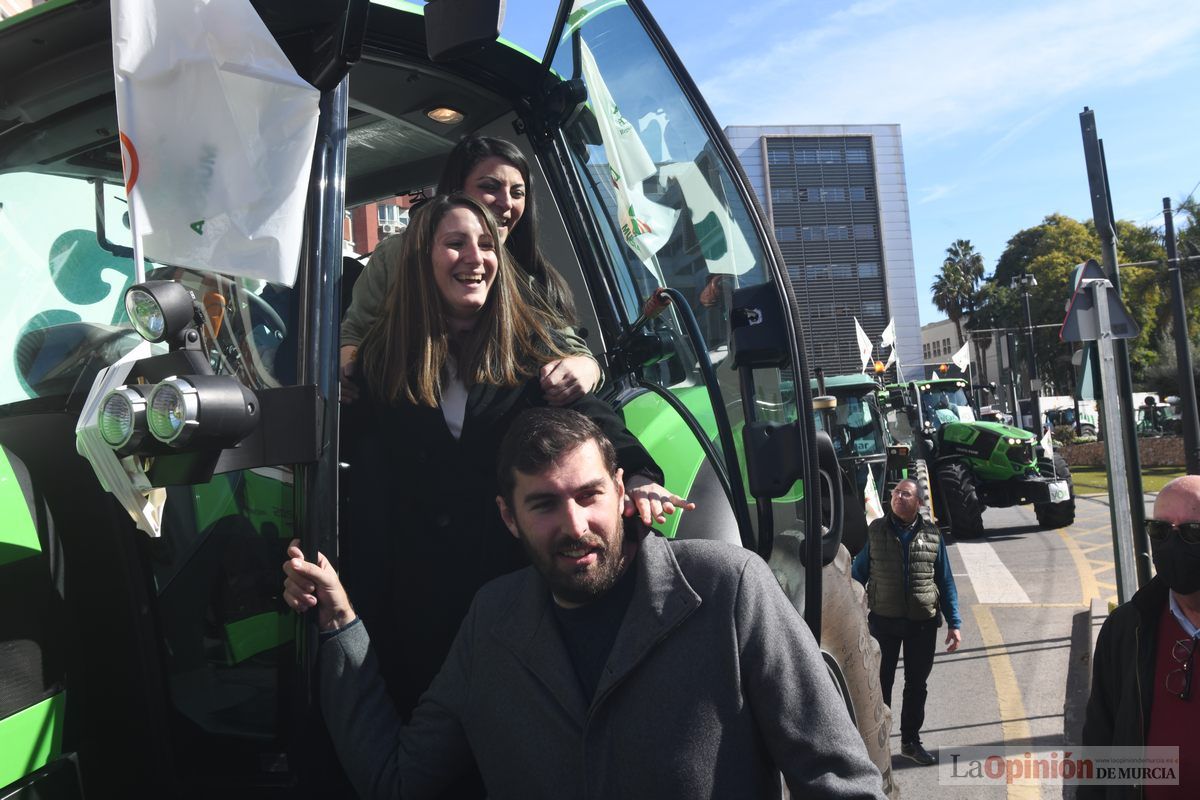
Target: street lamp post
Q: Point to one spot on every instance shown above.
(1025, 281)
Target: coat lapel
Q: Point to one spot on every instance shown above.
(662, 600)
(529, 630)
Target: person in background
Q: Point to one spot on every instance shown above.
(1143, 693)
(496, 173)
(619, 665)
(909, 586)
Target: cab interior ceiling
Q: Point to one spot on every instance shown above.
(393, 146)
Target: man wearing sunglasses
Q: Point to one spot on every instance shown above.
(909, 587)
(1142, 681)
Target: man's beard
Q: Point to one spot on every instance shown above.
(580, 584)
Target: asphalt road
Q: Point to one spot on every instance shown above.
(1020, 677)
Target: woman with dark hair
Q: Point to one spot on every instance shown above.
(454, 359)
(496, 173)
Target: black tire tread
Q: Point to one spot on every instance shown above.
(960, 501)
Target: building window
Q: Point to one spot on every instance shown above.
(825, 194)
(783, 195)
(864, 231)
(842, 271)
(837, 232)
(868, 269)
(945, 345)
(859, 193)
(937, 349)
(925, 350)
(829, 157)
(785, 233)
(873, 308)
(779, 156)
(818, 272)
(857, 156)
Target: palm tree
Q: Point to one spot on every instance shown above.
(956, 289)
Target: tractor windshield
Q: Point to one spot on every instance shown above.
(943, 406)
(858, 430)
(65, 245)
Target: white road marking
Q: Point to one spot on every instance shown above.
(992, 581)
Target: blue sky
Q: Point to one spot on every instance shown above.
(987, 94)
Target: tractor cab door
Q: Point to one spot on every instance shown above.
(665, 205)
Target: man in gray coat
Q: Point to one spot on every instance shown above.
(617, 665)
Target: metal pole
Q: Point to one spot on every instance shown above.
(1183, 349)
(1093, 151)
(1035, 401)
(1122, 531)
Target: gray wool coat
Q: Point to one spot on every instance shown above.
(713, 686)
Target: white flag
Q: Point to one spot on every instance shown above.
(890, 360)
(871, 504)
(864, 344)
(645, 225)
(1047, 443)
(889, 334)
(217, 133)
(962, 359)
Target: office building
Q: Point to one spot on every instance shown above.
(837, 198)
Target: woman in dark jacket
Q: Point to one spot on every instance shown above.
(452, 362)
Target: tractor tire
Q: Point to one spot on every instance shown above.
(1061, 514)
(846, 637)
(960, 500)
(918, 470)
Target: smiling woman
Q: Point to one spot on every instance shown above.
(452, 362)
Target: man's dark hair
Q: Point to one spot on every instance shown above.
(541, 436)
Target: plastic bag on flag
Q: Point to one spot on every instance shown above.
(217, 135)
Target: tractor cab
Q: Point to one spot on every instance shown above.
(176, 428)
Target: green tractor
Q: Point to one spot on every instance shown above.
(849, 409)
(153, 655)
(976, 464)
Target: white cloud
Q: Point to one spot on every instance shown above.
(931, 193)
(951, 70)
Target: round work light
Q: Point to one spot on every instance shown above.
(122, 416)
(206, 410)
(159, 310)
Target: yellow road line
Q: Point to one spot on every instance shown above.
(1087, 577)
(1014, 722)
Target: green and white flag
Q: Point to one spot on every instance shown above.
(645, 225)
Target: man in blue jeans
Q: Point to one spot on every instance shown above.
(907, 574)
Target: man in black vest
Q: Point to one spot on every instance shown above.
(907, 573)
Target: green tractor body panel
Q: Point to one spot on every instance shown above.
(31, 738)
(660, 430)
(995, 452)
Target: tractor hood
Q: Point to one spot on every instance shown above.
(998, 428)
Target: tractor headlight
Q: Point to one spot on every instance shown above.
(159, 310)
(1012, 440)
(213, 410)
(122, 416)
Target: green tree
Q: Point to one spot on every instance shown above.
(1050, 251)
(956, 288)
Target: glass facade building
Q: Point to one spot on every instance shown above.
(837, 199)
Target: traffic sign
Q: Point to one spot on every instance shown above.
(1083, 323)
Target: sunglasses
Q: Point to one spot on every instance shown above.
(1179, 680)
(1158, 530)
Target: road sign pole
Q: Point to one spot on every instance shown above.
(1183, 349)
(1102, 218)
(1118, 489)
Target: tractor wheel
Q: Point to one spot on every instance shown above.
(918, 471)
(960, 500)
(845, 637)
(1061, 514)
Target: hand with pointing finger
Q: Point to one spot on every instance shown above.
(651, 502)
